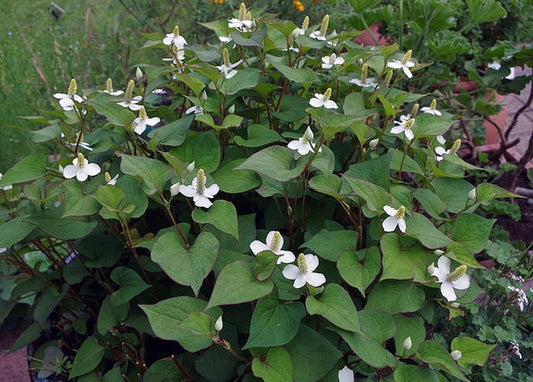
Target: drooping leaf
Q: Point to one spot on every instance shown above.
(27, 169)
(473, 352)
(131, 284)
(222, 214)
(276, 162)
(330, 245)
(87, 358)
(277, 367)
(361, 268)
(394, 296)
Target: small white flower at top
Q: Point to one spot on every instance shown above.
(244, 22)
(198, 190)
(440, 151)
(140, 123)
(305, 143)
(320, 100)
(5, 188)
(321, 33)
(227, 68)
(175, 39)
(110, 181)
(346, 375)
(395, 219)
(109, 89)
(431, 109)
(274, 243)
(131, 102)
(364, 81)
(68, 100)
(303, 273)
(458, 279)
(81, 169)
(329, 61)
(301, 31)
(404, 125)
(405, 64)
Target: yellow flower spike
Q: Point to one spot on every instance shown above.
(109, 85)
(457, 273)
(248, 16)
(388, 78)
(327, 94)
(433, 105)
(107, 177)
(401, 213)
(72, 87)
(277, 242)
(129, 89)
(409, 123)
(364, 74)
(407, 56)
(225, 56)
(305, 23)
(414, 111)
(242, 11)
(456, 146)
(200, 182)
(81, 160)
(324, 26)
(142, 113)
(176, 31)
(302, 265)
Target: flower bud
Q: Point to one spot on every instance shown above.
(373, 143)
(138, 74)
(472, 195)
(456, 355)
(438, 252)
(190, 167)
(407, 343)
(455, 305)
(431, 268)
(175, 189)
(231, 109)
(219, 324)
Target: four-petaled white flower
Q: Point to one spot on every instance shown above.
(81, 169)
(405, 64)
(274, 243)
(198, 191)
(139, 124)
(244, 22)
(440, 151)
(130, 101)
(68, 100)
(346, 375)
(175, 39)
(395, 219)
(305, 143)
(320, 100)
(227, 68)
(197, 110)
(458, 279)
(303, 273)
(369, 82)
(82, 144)
(431, 109)
(5, 188)
(109, 89)
(329, 61)
(404, 125)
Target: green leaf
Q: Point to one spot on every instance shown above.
(408, 327)
(274, 323)
(291, 109)
(234, 181)
(162, 370)
(236, 284)
(328, 184)
(453, 192)
(486, 192)
(423, 229)
(408, 165)
(395, 297)
(362, 5)
(115, 114)
(409, 373)
(336, 306)
(298, 75)
(330, 245)
(375, 196)
(186, 267)
(131, 284)
(433, 353)
(312, 355)
(76, 202)
(375, 171)
(368, 349)
(87, 358)
(45, 134)
(460, 253)
(173, 133)
(195, 84)
(399, 261)
(110, 315)
(246, 78)
(377, 325)
(222, 214)
(361, 268)
(232, 120)
(473, 352)
(259, 135)
(13, 231)
(264, 265)
(253, 39)
(277, 367)
(430, 202)
(276, 162)
(183, 319)
(202, 148)
(430, 125)
(153, 173)
(483, 11)
(472, 231)
(54, 224)
(110, 197)
(27, 169)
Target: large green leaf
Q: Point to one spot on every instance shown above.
(375, 196)
(234, 181)
(274, 323)
(14, 230)
(361, 268)
(482, 11)
(330, 245)
(236, 284)
(26, 170)
(423, 229)
(131, 284)
(76, 202)
(433, 353)
(472, 231)
(312, 355)
(277, 367)
(395, 297)
(335, 305)
(276, 162)
(408, 326)
(377, 325)
(473, 352)
(87, 357)
(54, 224)
(299, 75)
(183, 319)
(202, 148)
(115, 114)
(173, 133)
(430, 202)
(453, 192)
(409, 373)
(368, 349)
(246, 78)
(374, 171)
(111, 315)
(259, 135)
(399, 261)
(153, 173)
(186, 266)
(222, 214)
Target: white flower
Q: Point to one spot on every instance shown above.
(321, 33)
(68, 100)
(395, 219)
(227, 68)
(404, 64)
(346, 375)
(518, 297)
(274, 243)
(304, 144)
(197, 110)
(320, 100)
(441, 139)
(179, 54)
(82, 144)
(109, 89)
(440, 151)
(139, 124)
(329, 61)
(404, 125)
(8, 187)
(456, 355)
(369, 82)
(198, 191)
(110, 181)
(175, 39)
(303, 273)
(175, 189)
(131, 103)
(244, 22)
(81, 169)
(432, 109)
(514, 348)
(318, 36)
(457, 279)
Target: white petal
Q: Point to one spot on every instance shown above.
(270, 239)
(256, 246)
(92, 169)
(407, 71)
(212, 190)
(346, 375)
(401, 225)
(300, 281)
(81, 175)
(395, 64)
(390, 224)
(441, 139)
(152, 121)
(291, 272)
(304, 148)
(202, 201)
(286, 257)
(329, 104)
(440, 150)
(188, 191)
(316, 279)
(231, 74)
(462, 282)
(440, 275)
(140, 127)
(70, 171)
(327, 66)
(397, 129)
(312, 262)
(61, 95)
(447, 291)
(409, 134)
(315, 102)
(444, 264)
(168, 39)
(294, 145)
(390, 211)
